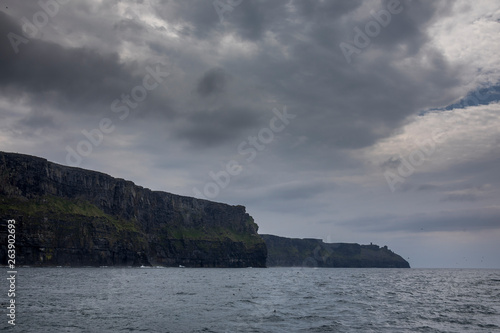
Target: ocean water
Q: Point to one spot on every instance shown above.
(254, 300)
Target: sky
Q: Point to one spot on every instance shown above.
(350, 121)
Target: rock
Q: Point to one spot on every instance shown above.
(289, 252)
(69, 216)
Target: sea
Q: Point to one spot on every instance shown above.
(110, 299)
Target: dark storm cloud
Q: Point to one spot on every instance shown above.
(347, 106)
(69, 79)
(411, 22)
(212, 82)
(340, 105)
(200, 16)
(128, 24)
(44, 66)
(249, 19)
(299, 190)
(204, 128)
(427, 187)
(252, 19)
(320, 10)
(38, 120)
(467, 197)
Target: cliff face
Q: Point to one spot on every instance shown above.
(288, 252)
(71, 216)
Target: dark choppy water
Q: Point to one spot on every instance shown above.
(254, 300)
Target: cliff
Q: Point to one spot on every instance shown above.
(315, 253)
(74, 217)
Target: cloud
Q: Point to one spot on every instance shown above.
(68, 79)
(298, 190)
(427, 187)
(460, 197)
(207, 128)
(461, 220)
(212, 82)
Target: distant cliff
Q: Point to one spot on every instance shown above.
(76, 217)
(314, 253)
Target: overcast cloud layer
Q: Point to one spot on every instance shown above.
(350, 121)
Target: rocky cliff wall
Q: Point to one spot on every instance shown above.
(289, 252)
(72, 216)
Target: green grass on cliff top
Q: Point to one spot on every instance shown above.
(210, 234)
(60, 208)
